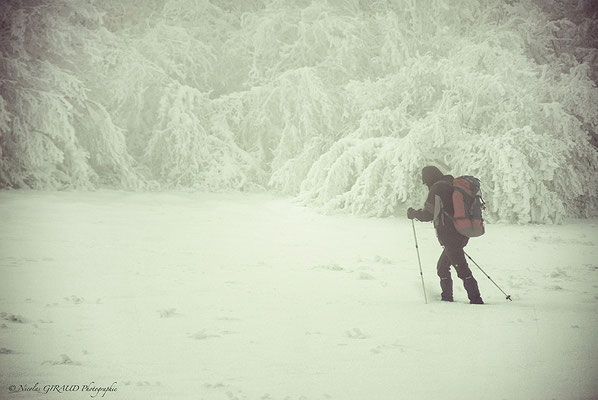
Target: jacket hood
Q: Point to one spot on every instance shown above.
(431, 175)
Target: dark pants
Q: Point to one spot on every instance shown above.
(454, 255)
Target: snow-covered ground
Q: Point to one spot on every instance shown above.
(250, 296)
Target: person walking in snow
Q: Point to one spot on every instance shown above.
(439, 202)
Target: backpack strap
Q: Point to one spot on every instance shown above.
(463, 192)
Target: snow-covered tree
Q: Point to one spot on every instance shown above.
(192, 146)
(340, 103)
(52, 134)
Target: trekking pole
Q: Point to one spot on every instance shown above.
(476, 264)
(419, 261)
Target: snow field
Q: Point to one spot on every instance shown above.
(250, 296)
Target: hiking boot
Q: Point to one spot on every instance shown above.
(446, 298)
(446, 284)
(473, 293)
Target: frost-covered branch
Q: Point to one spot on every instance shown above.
(338, 102)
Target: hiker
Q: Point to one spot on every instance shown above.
(439, 208)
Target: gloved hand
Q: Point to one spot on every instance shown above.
(411, 213)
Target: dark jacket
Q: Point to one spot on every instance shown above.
(438, 204)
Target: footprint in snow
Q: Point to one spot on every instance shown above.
(555, 288)
(364, 276)
(66, 360)
(330, 267)
(167, 313)
(74, 299)
(232, 396)
(228, 319)
(356, 333)
(214, 385)
(12, 318)
(146, 383)
(386, 347)
(202, 335)
(559, 273)
(382, 260)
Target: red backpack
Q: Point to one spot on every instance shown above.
(468, 206)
